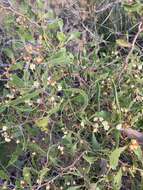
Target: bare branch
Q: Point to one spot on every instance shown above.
(108, 6)
(125, 66)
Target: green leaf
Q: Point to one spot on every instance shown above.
(16, 81)
(73, 148)
(3, 175)
(16, 66)
(36, 148)
(95, 144)
(26, 78)
(43, 173)
(24, 35)
(54, 24)
(27, 175)
(123, 43)
(25, 108)
(74, 35)
(25, 97)
(60, 58)
(14, 156)
(83, 95)
(117, 183)
(138, 153)
(61, 37)
(135, 7)
(2, 108)
(9, 52)
(114, 157)
(42, 123)
(89, 159)
(40, 4)
(106, 115)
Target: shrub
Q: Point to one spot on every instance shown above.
(67, 91)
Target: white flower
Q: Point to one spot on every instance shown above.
(18, 141)
(10, 96)
(7, 86)
(4, 187)
(28, 102)
(68, 183)
(47, 187)
(32, 66)
(22, 182)
(55, 104)
(53, 83)
(105, 125)
(4, 128)
(74, 183)
(132, 86)
(39, 101)
(59, 87)
(33, 153)
(101, 119)
(96, 125)
(140, 67)
(65, 132)
(119, 127)
(61, 148)
(38, 181)
(5, 134)
(7, 139)
(95, 119)
(82, 124)
(95, 130)
(52, 99)
(36, 84)
(49, 78)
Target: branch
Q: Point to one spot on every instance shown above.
(108, 6)
(63, 170)
(125, 66)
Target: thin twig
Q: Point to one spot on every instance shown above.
(63, 170)
(125, 66)
(108, 6)
(74, 163)
(140, 29)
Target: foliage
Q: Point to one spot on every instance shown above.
(64, 90)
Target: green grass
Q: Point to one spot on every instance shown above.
(60, 106)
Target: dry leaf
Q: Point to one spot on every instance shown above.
(123, 43)
(131, 133)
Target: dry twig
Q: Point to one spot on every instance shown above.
(63, 170)
(125, 66)
(109, 5)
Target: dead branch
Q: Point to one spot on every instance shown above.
(125, 65)
(109, 5)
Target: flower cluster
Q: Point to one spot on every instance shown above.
(5, 134)
(99, 121)
(61, 149)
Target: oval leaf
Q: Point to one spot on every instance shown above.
(114, 157)
(123, 43)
